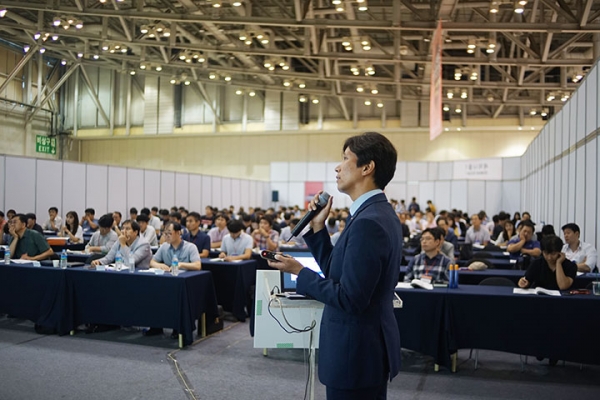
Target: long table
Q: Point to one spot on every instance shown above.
(63, 299)
(439, 322)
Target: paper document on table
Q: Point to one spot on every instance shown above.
(217, 259)
(579, 273)
(538, 290)
(404, 285)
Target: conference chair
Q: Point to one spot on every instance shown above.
(495, 281)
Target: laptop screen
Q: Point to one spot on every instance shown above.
(288, 281)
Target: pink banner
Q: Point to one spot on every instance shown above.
(310, 189)
(435, 94)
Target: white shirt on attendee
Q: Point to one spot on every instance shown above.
(150, 235)
(585, 251)
(57, 223)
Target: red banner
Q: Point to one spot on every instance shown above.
(435, 93)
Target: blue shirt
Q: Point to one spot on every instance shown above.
(201, 240)
(529, 245)
(361, 199)
(87, 228)
(186, 252)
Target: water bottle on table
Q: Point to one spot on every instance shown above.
(63, 259)
(7, 255)
(175, 266)
(118, 261)
(131, 264)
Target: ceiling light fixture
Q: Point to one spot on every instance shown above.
(158, 30)
(3, 12)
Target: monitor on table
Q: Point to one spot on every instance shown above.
(288, 281)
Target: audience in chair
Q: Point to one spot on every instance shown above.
(27, 244)
(186, 252)
(72, 229)
(265, 237)
(430, 263)
(524, 244)
(477, 234)
(237, 245)
(581, 253)
(217, 233)
(508, 232)
(32, 223)
(146, 231)
(195, 235)
(88, 223)
(104, 238)
(552, 271)
(54, 222)
(449, 237)
(129, 243)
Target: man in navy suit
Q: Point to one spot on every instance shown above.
(359, 347)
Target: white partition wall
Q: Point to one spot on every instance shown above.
(2, 197)
(48, 188)
(96, 192)
(73, 193)
(117, 185)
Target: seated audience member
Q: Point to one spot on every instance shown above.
(508, 232)
(336, 236)
(133, 213)
(104, 238)
(449, 237)
(431, 207)
(524, 244)
(237, 245)
(72, 229)
(153, 220)
(129, 243)
(5, 236)
(430, 262)
(217, 233)
(547, 230)
(164, 217)
(27, 244)
(32, 223)
(287, 218)
(146, 231)
(2, 220)
(186, 252)
(477, 234)
(552, 271)
(524, 217)
(187, 256)
(581, 253)
(195, 235)
(286, 234)
(247, 221)
(499, 227)
(430, 220)
(54, 222)
(402, 216)
(89, 224)
(117, 218)
(457, 225)
(208, 219)
(265, 237)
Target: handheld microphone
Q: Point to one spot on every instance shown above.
(323, 199)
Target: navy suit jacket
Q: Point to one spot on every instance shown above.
(359, 337)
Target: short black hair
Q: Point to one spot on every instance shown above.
(134, 225)
(22, 217)
(437, 233)
(572, 226)
(373, 146)
(31, 216)
(1, 214)
(224, 216)
(106, 221)
(176, 226)
(267, 218)
(176, 215)
(155, 208)
(548, 230)
(53, 209)
(142, 218)
(164, 212)
(551, 244)
(528, 223)
(118, 212)
(90, 211)
(234, 226)
(133, 210)
(195, 216)
(145, 210)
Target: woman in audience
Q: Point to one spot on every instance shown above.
(516, 218)
(72, 229)
(507, 233)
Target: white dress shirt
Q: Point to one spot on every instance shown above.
(585, 251)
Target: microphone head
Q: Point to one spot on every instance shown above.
(323, 199)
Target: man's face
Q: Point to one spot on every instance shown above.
(402, 218)
(551, 257)
(104, 231)
(52, 214)
(418, 215)
(475, 221)
(117, 218)
(143, 226)
(443, 224)
(235, 235)
(89, 215)
(208, 211)
(570, 236)
(221, 223)
(17, 224)
(526, 217)
(527, 233)
(129, 233)
(132, 216)
(428, 243)
(192, 224)
(264, 224)
(172, 236)
(347, 173)
(30, 223)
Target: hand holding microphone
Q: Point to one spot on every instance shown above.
(318, 208)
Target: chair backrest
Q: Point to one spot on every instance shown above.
(497, 281)
(466, 252)
(488, 263)
(480, 255)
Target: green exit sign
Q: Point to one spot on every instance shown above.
(45, 144)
